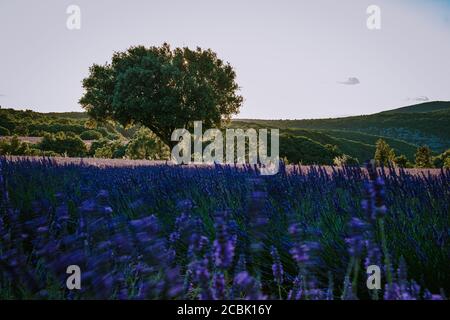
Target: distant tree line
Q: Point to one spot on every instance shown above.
(81, 137)
(143, 146)
(385, 155)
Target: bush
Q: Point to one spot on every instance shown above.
(37, 133)
(104, 152)
(13, 147)
(440, 160)
(97, 144)
(145, 145)
(345, 160)
(37, 152)
(67, 144)
(401, 161)
(4, 131)
(107, 149)
(56, 127)
(112, 136)
(447, 163)
(91, 135)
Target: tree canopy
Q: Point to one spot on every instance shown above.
(162, 89)
(423, 157)
(384, 154)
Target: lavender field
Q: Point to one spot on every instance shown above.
(184, 232)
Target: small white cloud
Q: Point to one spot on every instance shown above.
(419, 99)
(350, 81)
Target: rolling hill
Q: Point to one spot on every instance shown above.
(421, 107)
(423, 124)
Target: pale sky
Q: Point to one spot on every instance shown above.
(293, 58)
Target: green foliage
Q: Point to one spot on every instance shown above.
(65, 144)
(53, 127)
(91, 135)
(429, 126)
(162, 89)
(423, 157)
(303, 150)
(401, 161)
(104, 152)
(105, 148)
(97, 145)
(4, 131)
(354, 136)
(362, 145)
(355, 144)
(30, 123)
(440, 160)
(37, 152)
(345, 160)
(146, 145)
(447, 163)
(383, 153)
(13, 147)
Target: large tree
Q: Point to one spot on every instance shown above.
(162, 89)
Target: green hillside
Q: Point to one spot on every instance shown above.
(422, 107)
(416, 128)
(356, 144)
(400, 147)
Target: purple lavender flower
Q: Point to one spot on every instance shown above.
(202, 278)
(224, 244)
(219, 286)
(429, 296)
(296, 293)
(303, 253)
(241, 265)
(356, 240)
(197, 244)
(373, 254)
(248, 287)
(277, 267)
(373, 204)
(294, 229)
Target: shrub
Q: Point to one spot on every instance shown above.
(104, 152)
(68, 144)
(4, 131)
(440, 160)
(37, 152)
(447, 163)
(13, 147)
(345, 160)
(112, 136)
(401, 161)
(105, 148)
(91, 135)
(145, 145)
